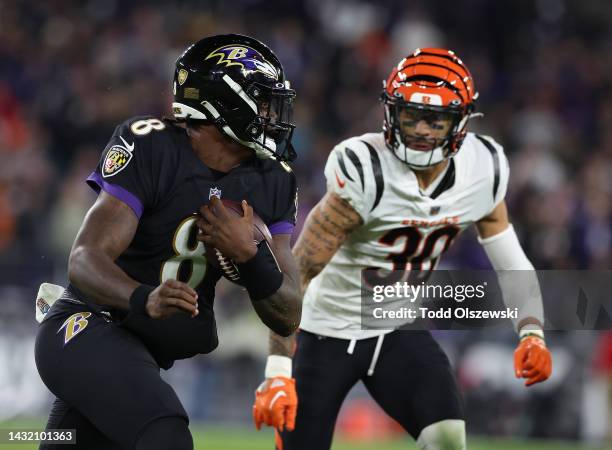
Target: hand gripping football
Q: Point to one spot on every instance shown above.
(219, 260)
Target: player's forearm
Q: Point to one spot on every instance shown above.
(517, 279)
(281, 311)
(99, 278)
(271, 281)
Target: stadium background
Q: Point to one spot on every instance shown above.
(72, 70)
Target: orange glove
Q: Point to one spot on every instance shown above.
(532, 360)
(276, 403)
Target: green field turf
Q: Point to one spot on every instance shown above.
(235, 438)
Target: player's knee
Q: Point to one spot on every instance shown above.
(167, 433)
(443, 435)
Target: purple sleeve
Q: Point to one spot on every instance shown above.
(97, 183)
(281, 228)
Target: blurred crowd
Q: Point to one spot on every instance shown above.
(71, 70)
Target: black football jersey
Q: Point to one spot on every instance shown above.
(150, 165)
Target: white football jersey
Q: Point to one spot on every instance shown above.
(403, 227)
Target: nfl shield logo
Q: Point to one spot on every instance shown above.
(434, 210)
(214, 192)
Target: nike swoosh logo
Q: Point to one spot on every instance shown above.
(340, 182)
(278, 395)
(128, 147)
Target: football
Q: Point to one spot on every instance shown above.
(260, 233)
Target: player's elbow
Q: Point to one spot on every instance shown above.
(285, 328)
(292, 325)
(285, 332)
(294, 315)
(287, 322)
(282, 311)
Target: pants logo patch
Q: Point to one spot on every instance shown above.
(73, 325)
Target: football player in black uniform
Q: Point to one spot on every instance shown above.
(141, 290)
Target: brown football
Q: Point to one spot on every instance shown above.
(260, 233)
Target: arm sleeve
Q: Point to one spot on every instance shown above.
(517, 278)
(125, 170)
(344, 174)
(285, 216)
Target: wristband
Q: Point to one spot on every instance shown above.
(139, 298)
(278, 366)
(261, 275)
(531, 330)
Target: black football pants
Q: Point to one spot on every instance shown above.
(107, 384)
(409, 377)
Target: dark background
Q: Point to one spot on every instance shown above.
(70, 71)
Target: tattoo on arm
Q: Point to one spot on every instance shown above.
(325, 230)
(282, 310)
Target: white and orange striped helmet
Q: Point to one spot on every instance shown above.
(430, 81)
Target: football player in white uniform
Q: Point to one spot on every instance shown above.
(396, 200)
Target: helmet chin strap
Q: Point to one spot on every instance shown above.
(418, 159)
(265, 147)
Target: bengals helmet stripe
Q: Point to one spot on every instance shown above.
(429, 79)
(436, 67)
(434, 78)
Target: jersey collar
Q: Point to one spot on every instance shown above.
(442, 183)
